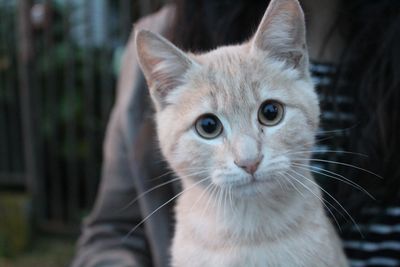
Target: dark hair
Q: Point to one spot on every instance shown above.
(369, 65)
(202, 24)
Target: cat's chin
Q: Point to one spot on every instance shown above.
(254, 188)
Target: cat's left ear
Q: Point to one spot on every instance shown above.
(163, 65)
(282, 34)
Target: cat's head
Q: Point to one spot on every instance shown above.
(235, 114)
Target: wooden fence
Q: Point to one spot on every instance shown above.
(58, 66)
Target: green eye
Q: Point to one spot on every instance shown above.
(270, 113)
(208, 126)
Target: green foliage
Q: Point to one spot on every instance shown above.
(46, 251)
(14, 224)
(72, 85)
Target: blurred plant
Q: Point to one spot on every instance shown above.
(75, 83)
(72, 84)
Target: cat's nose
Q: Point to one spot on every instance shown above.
(249, 165)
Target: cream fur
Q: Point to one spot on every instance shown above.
(226, 217)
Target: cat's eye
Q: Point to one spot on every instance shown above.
(208, 126)
(270, 113)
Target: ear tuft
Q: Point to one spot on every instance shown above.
(282, 33)
(163, 64)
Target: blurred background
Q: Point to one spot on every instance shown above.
(59, 60)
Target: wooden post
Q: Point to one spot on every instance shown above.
(25, 65)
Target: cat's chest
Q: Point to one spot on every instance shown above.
(293, 252)
(200, 241)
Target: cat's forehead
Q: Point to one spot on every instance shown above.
(229, 64)
(225, 78)
(233, 79)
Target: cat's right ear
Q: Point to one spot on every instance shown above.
(282, 34)
(163, 65)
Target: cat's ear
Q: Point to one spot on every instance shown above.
(282, 33)
(163, 64)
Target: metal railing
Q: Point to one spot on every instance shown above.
(58, 65)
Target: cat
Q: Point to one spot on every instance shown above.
(230, 123)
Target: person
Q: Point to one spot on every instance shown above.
(353, 47)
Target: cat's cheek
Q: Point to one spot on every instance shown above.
(297, 131)
(193, 158)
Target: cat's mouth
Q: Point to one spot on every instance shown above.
(261, 181)
(251, 182)
(251, 187)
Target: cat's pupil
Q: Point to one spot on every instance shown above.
(270, 112)
(209, 125)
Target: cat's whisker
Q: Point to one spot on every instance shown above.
(320, 199)
(160, 162)
(334, 199)
(146, 192)
(190, 171)
(318, 140)
(340, 163)
(333, 175)
(307, 145)
(157, 187)
(326, 151)
(225, 201)
(300, 151)
(231, 200)
(201, 196)
(220, 198)
(280, 185)
(217, 203)
(210, 198)
(161, 176)
(285, 184)
(173, 172)
(338, 130)
(282, 174)
(294, 186)
(163, 205)
(193, 174)
(218, 194)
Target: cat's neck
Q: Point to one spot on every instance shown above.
(250, 220)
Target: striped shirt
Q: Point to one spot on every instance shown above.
(380, 245)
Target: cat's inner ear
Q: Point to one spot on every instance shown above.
(163, 64)
(282, 33)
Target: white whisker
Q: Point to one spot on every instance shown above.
(201, 196)
(212, 191)
(321, 200)
(231, 200)
(334, 175)
(334, 199)
(161, 176)
(146, 192)
(225, 201)
(342, 163)
(326, 151)
(165, 203)
(156, 187)
(337, 130)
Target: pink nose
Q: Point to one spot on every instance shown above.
(250, 165)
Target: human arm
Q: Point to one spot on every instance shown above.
(127, 149)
